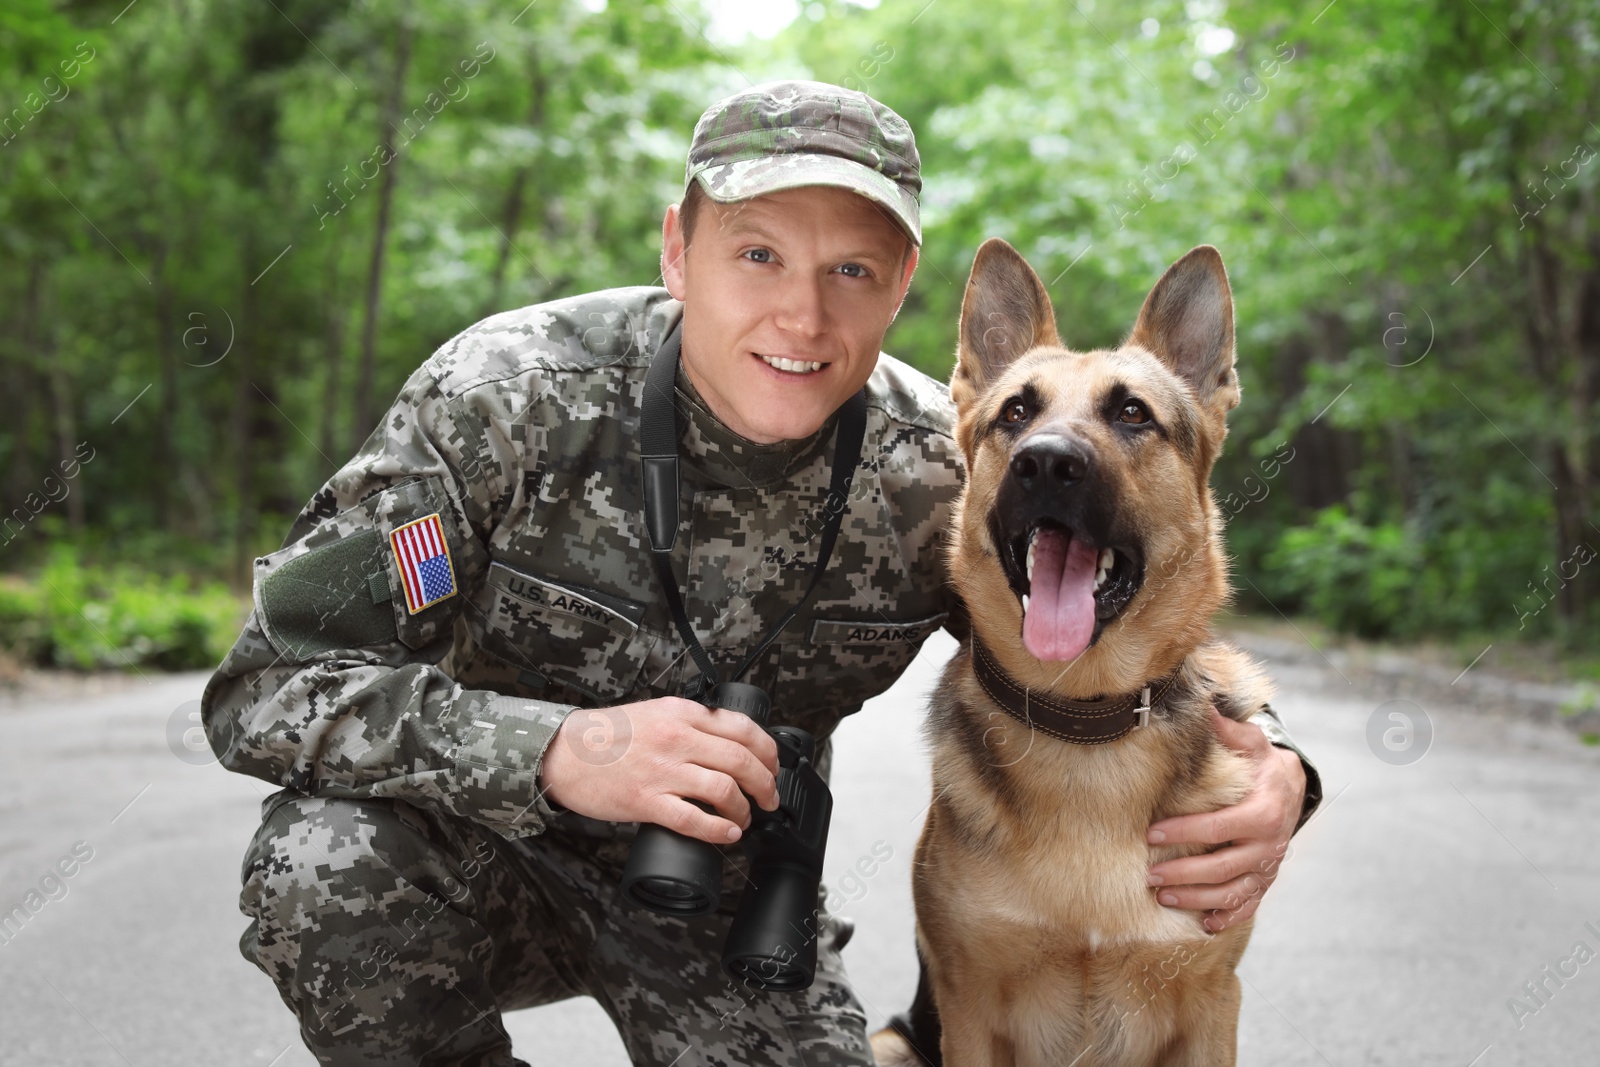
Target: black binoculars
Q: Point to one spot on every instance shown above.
(772, 944)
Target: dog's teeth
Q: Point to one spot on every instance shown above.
(1024, 603)
(1107, 558)
(1030, 559)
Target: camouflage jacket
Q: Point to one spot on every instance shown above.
(521, 434)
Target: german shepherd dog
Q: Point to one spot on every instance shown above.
(1089, 553)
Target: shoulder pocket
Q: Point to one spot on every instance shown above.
(560, 639)
(322, 600)
(341, 584)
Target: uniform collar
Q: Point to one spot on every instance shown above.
(713, 453)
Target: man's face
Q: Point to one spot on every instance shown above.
(809, 276)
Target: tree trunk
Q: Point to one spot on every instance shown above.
(244, 404)
(511, 214)
(63, 407)
(364, 417)
(21, 471)
(66, 434)
(1557, 355)
(1584, 442)
(333, 358)
(169, 341)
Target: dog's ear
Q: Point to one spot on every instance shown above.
(1187, 321)
(1004, 313)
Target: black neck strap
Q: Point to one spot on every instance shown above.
(659, 432)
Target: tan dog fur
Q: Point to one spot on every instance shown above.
(1043, 942)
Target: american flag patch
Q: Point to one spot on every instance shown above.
(424, 561)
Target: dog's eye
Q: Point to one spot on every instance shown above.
(1134, 412)
(1016, 411)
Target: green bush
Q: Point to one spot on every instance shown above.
(1401, 579)
(89, 617)
(1353, 577)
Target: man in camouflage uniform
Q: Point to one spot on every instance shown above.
(466, 745)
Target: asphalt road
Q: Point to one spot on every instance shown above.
(1413, 908)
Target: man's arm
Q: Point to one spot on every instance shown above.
(332, 688)
(1278, 734)
(1230, 881)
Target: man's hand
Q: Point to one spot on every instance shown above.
(637, 763)
(1230, 882)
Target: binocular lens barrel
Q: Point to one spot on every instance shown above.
(766, 949)
(671, 874)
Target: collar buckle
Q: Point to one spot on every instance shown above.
(1144, 707)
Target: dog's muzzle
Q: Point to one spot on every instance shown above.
(1055, 525)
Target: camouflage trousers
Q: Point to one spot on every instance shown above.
(397, 935)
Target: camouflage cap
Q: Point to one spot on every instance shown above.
(787, 134)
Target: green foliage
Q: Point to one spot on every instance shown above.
(1353, 577)
(1582, 702)
(285, 208)
(85, 617)
(213, 284)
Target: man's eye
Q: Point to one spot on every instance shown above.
(760, 255)
(853, 270)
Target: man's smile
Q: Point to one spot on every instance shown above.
(792, 367)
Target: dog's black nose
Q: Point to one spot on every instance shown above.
(1050, 460)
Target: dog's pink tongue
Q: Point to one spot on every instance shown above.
(1060, 616)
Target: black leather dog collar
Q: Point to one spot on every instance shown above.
(1081, 722)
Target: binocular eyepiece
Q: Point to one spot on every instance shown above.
(771, 944)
